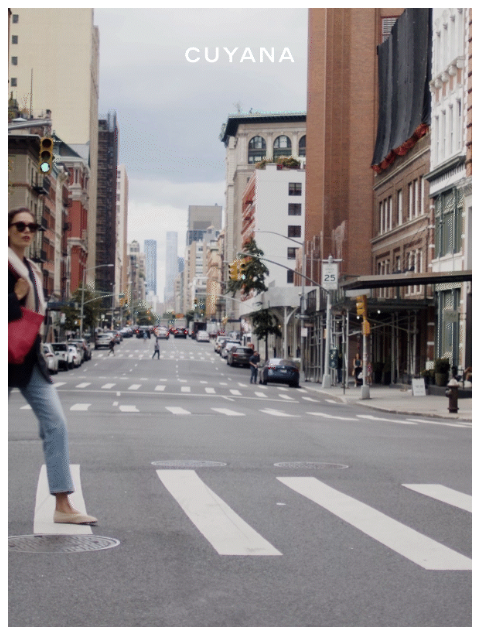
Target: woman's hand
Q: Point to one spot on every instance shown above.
(21, 288)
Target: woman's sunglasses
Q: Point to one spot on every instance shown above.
(21, 226)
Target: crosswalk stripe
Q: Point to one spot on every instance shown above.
(45, 506)
(405, 541)
(209, 390)
(134, 387)
(109, 385)
(185, 389)
(128, 408)
(223, 528)
(177, 410)
(378, 419)
(260, 394)
(465, 425)
(444, 494)
(326, 415)
(83, 385)
(58, 384)
(235, 392)
(309, 399)
(80, 407)
(284, 396)
(160, 387)
(228, 412)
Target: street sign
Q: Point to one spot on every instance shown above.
(330, 276)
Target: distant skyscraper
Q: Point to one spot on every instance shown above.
(200, 217)
(150, 249)
(171, 267)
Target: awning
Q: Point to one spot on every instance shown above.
(406, 279)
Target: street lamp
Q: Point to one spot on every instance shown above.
(83, 291)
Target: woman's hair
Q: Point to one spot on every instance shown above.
(13, 213)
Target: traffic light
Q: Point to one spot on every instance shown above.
(362, 306)
(243, 266)
(233, 271)
(45, 163)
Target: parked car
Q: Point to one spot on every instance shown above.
(50, 358)
(279, 370)
(239, 356)
(64, 355)
(83, 347)
(221, 344)
(79, 348)
(76, 354)
(163, 333)
(180, 332)
(202, 336)
(102, 340)
(228, 345)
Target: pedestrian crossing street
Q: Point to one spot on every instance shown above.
(230, 534)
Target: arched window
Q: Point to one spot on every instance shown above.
(302, 147)
(256, 149)
(282, 147)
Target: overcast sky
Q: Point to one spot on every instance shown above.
(170, 111)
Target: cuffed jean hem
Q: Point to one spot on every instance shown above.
(43, 398)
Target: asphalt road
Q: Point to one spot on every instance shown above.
(234, 505)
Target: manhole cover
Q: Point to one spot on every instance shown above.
(187, 464)
(310, 465)
(60, 544)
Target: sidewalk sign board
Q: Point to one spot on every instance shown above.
(418, 387)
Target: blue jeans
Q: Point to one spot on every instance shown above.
(253, 374)
(45, 403)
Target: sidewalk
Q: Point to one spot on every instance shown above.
(397, 400)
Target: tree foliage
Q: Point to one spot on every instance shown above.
(253, 274)
(265, 324)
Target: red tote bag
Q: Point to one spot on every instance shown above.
(22, 333)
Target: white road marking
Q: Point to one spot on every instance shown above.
(407, 542)
(58, 384)
(285, 397)
(280, 414)
(82, 385)
(229, 412)
(241, 384)
(326, 415)
(178, 411)
(331, 401)
(235, 392)
(222, 527)
(134, 387)
(80, 407)
(309, 399)
(209, 390)
(160, 387)
(26, 406)
(128, 408)
(185, 389)
(109, 385)
(378, 419)
(43, 523)
(444, 494)
(465, 425)
(260, 394)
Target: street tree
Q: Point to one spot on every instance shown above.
(265, 324)
(252, 271)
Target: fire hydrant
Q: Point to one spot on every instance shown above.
(452, 394)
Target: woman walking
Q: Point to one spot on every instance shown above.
(31, 377)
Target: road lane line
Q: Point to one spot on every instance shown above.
(134, 387)
(444, 494)
(128, 408)
(43, 523)
(284, 396)
(260, 394)
(224, 529)
(178, 411)
(280, 414)
(160, 387)
(109, 385)
(235, 392)
(378, 419)
(209, 390)
(58, 384)
(80, 407)
(185, 389)
(83, 385)
(326, 415)
(26, 406)
(228, 412)
(464, 425)
(410, 544)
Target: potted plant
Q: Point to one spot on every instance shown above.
(442, 367)
(429, 376)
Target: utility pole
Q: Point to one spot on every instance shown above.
(330, 283)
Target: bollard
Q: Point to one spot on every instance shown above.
(452, 394)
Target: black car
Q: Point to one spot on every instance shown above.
(180, 332)
(279, 370)
(239, 356)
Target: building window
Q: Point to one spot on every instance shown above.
(387, 26)
(14, 39)
(294, 188)
(282, 146)
(15, 18)
(448, 223)
(291, 253)
(294, 209)
(14, 60)
(290, 276)
(302, 147)
(399, 207)
(13, 82)
(294, 231)
(256, 149)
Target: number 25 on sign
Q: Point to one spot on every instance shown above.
(330, 276)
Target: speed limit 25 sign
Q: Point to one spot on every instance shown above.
(330, 275)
